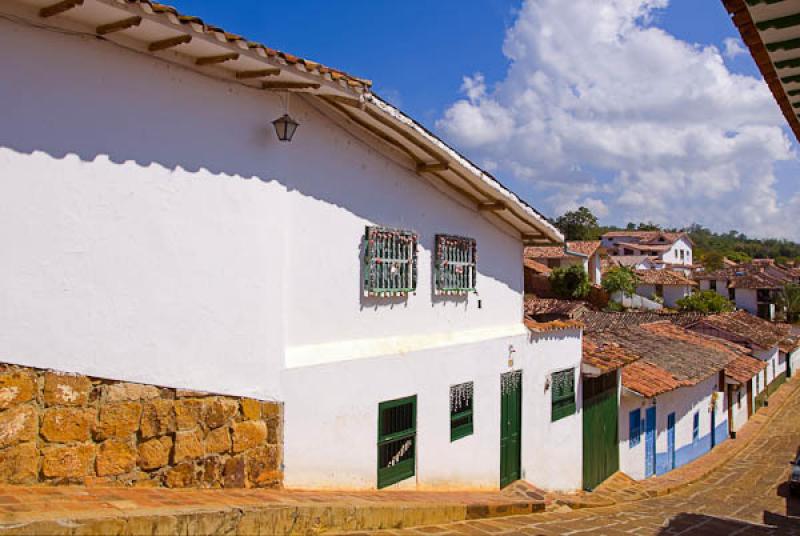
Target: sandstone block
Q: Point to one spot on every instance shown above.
(19, 464)
(181, 476)
(188, 446)
(188, 393)
(262, 466)
(124, 392)
(234, 473)
(158, 418)
(188, 413)
(218, 411)
(251, 409)
(68, 461)
(67, 424)
(155, 453)
(16, 387)
(273, 432)
(66, 389)
(218, 441)
(271, 410)
(212, 471)
(120, 419)
(115, 457)
(248, 434)
(17, 424)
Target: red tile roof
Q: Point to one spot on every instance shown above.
(663, 277)
(744, 367)
(535, 306)
(555, 325)
(586, 247)
(605, 356)
(743, 327)
(649, 380)
(649, 237)
(536, 266)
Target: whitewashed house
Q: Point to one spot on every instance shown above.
(665, 249)
(674, 404)
(586, 253)
(763, 338)
(364, 274)
(665, 285)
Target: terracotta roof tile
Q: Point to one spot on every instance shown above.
(535, 306)
(649, 380)
(649, 237)
(663, 277)
(744, 367)
(743, 327)
(605, 356)
(586, 247)
(555, 325)
(536, 266)
(602, 321)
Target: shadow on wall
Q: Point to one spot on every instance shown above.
(687, 524)
(137, 110)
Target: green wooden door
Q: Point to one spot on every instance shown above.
(600, 427)
(510, 427)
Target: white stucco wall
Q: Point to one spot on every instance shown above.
(673, 254)
(160, 233)
(331, 425)
(746, 299)
(672, 293)
(739, 407)
(775, 365)
(684, 402)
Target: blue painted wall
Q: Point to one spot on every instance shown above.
(691, 451)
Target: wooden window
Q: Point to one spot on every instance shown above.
(397, 440)
(739, 398)
(456, 263)
(461, 410)
(563, 389)
(634, 427)
(696, 427)
(390, 261)
(712, 284)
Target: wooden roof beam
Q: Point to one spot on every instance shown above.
(492, 206)
(289, 85)
(118, 26)
(59, 7)
(779, 23)
(259, 73)
(789, 44)
(169, 42)
(214, 60)
(433, 166)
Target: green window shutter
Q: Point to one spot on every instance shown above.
(397, 440)
(390, 261)
(456, 260)
(563, 394)
(461, 410)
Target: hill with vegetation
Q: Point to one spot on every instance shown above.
(710, 247)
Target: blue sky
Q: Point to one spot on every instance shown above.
(565, 138)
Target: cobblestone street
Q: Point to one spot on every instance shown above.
(748, 495)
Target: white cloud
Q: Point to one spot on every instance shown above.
(733, 47)
(599, 107)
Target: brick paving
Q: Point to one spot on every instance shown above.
(739, 488)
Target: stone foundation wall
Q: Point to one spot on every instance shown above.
(59, 428)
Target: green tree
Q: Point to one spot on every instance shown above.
(570, 283)
(713, 261)
(790, 298)
(705, 301)
(620, 279)
(578, 224)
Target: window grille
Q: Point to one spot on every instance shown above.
(456, 261)
(563, 389)
(397, 438)
(634, 427)
(461, 410)
(390, 262)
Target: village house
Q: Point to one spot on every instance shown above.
(665, 249)
(764, 338)
(674, 404)
(665, 285)
(754, 287)
(587, 253)
(190, 210)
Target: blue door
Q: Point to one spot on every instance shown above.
(650, 442)
(671, 441)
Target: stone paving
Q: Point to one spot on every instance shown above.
(745, 494)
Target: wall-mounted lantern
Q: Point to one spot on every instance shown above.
(285, 126)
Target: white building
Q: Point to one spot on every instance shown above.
(158, 232)
(763, 338)
(665, 285)
(666, 249)
(674, 401)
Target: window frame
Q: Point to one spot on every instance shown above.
(558, 408)
(405, 468)
(634, 425)
(470, 246)
(374, 256)
(466, 429)
(696, 427)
